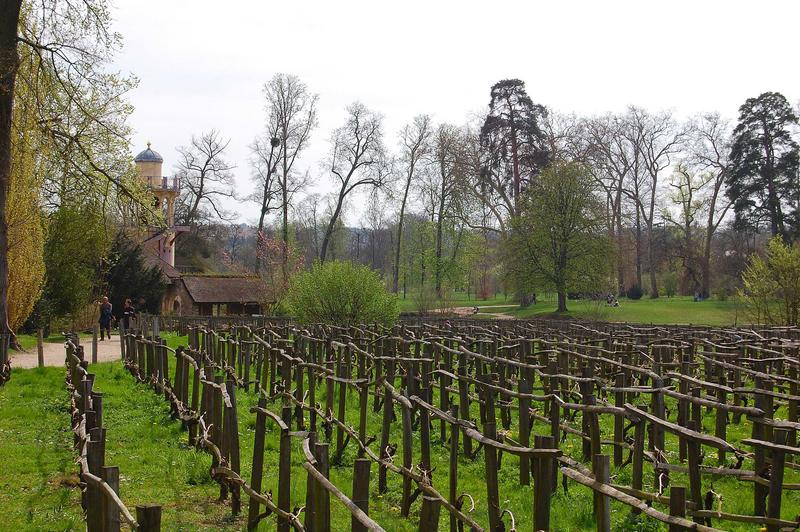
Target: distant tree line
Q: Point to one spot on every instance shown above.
(676, 206)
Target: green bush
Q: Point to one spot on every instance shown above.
(341, 293)
(635, 292)
(670, 283)
(771, 284)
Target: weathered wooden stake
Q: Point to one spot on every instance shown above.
(360, 497)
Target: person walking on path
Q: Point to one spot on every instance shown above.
(128, 313)
(105, 318)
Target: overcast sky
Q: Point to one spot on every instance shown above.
(202, 64)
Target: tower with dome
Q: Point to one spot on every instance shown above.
(187, 293)
(166, 191)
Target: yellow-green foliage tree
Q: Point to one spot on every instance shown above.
(771, 284)
(26, 221)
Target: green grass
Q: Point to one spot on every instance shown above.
(662, 311)
(37, 480)
(157, 466)
(28, 341)
(456, 299)
(680, 310)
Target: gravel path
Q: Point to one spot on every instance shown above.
(107, 350)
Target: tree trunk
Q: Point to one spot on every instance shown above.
(9, 62)
(638, 249)
(329, 231)
(651, 264)
(439, 230)
(285, 209)
(396, 272)
(562, 301)
(706, 266)
(259, 240)
(620, 261)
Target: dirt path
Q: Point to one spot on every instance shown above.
(107, 350)
(468, 312)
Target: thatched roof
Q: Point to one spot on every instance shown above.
(224, 289)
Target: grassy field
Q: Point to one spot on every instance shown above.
(456, 299)
(37, 485)
(664, 310)
(28, 341)
(680, 310)
(37, 482)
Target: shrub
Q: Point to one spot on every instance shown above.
(634, 292)
(670, 283)
(771, 285)
(341, 293)
(424, 299)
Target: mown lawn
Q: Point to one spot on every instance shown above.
(37, 479)
(28, 341)
(664, 310)
(455, 299)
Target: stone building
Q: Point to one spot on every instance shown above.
(190, 294)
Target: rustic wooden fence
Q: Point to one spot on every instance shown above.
(100, 499)
(647, 386)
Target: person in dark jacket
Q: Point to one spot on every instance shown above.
(106, 317)
(128, 312)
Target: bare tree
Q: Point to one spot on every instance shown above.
(414, 145)
(687, 187)
(488, 191)
(292, 112)
(358, 160)
(205, 175)
(266, 157)
(710, 149)
(374, 221)
(657, 139)
(308, 216)
(611, 160)
(442, 187)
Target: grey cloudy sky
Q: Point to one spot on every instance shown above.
(202, 64)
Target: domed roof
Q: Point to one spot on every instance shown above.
(148, 156)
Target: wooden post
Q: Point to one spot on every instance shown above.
(322, 504)
(776, 479)
(525, 425)
(95, 333)
(490, 457)
(453, 475)
(284, 471)
(429, 515)
(94, 496)
(638, 459)
(232, 434)
(619, 420)
(542, 484)
(463, 397)
(360, 498)
(405, 508)
(677, 506)
(311, 487)
(601, 466)
(388, 414)
(110, 474)
(149, 518)
(40, 347)
(695, 483)
(258, 465)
